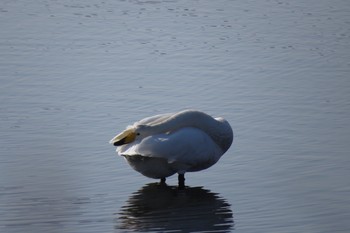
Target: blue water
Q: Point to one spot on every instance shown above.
(75, 73)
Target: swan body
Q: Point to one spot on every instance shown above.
(162, 145)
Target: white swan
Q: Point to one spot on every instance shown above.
(162, 145)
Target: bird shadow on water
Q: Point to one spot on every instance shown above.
(160, 208)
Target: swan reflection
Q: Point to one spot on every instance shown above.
(165, 208)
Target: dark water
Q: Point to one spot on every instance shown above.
(167, 208)
(75, 73)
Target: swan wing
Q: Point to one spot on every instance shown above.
(187, 149)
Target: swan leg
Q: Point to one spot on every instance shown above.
(162, 181)
(181, 179)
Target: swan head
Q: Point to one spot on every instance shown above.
(125, 137)
(131, 134)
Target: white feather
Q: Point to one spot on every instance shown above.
(177, 143)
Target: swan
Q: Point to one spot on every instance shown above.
(162, 145)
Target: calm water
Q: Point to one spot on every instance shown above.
(75, 73)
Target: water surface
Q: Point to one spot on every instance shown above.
(75, 73)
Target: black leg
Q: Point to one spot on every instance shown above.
(162, 181)
(181, 181)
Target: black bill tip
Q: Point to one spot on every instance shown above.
(119, 143)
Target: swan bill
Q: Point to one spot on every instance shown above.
(124, 137)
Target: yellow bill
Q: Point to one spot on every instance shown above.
(124, 137)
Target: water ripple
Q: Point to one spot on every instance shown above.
(165, 208)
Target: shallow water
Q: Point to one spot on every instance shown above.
(75, 73)
(158, 207)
